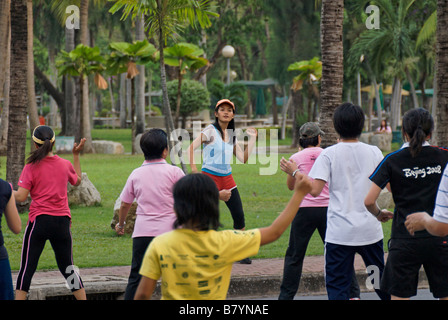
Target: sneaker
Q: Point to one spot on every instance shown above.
(355, 299)
(245, 261)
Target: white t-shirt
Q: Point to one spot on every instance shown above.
(346, 167)
(441, 208)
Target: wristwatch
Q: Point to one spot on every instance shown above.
(294, 173)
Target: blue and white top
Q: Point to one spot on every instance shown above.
(217, 154)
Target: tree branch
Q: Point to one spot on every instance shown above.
(49, 87)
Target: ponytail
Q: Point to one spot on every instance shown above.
(43, 137)
(415, 144)
(417, 125)
(41, 152)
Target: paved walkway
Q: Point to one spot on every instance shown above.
(262, 277)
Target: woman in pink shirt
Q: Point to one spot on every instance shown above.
(45, 178)
(312, 214)
(151, 186)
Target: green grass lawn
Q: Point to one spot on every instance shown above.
(95, 244)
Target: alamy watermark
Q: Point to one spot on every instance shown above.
(373, 20)
(373, 278)
(72, 21)
(264, 152)
(73, 281)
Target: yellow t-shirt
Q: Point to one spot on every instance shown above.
(197, 265)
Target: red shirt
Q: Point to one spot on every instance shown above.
(47, 183)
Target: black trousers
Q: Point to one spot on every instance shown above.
(56, 229)
(235, 206)
(139, 246)
(307, 220)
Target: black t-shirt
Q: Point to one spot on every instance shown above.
(414, 183)
(5, 195)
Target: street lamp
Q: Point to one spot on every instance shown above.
(228, 52)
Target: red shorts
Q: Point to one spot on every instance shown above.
(222, 182)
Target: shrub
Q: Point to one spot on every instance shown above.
(194, 97)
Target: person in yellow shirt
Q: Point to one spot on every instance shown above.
(194, 261)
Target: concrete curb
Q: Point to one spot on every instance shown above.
(113, 287)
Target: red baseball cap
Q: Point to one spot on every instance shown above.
(225, 101)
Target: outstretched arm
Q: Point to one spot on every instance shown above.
(190, 151)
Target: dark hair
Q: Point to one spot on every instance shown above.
(153, 142)
(306, 142)
(196, 202)
(417, 125)
(43, 137)
(348, 120)
(230, 126)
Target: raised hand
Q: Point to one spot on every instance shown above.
(77, 147)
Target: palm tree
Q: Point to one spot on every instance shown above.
(18, 92)
(124, 57)
(183, 56)
(164, 18)
(308, 79)
(391, 46)
(59, 7)
(332, 18)
(82, 62)
(441, 132)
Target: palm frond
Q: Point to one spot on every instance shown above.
(428, 30)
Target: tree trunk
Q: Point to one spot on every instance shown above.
(274, 106)
(413, 93)
(165, 100)
(332, 66)
(72, 112)
(5, 110)
(18, 93)
(133, 124)
(178, 98)
(32, 105)
(53, 119)
(284, 113)
(5, 50)
(140, 84)
(4, 41)
(441, 130)
(297, 104)
(85, 108)
(396, 104)
(122, 100)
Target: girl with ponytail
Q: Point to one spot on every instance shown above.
(44, 178)
(412, 174)
(417, 129)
